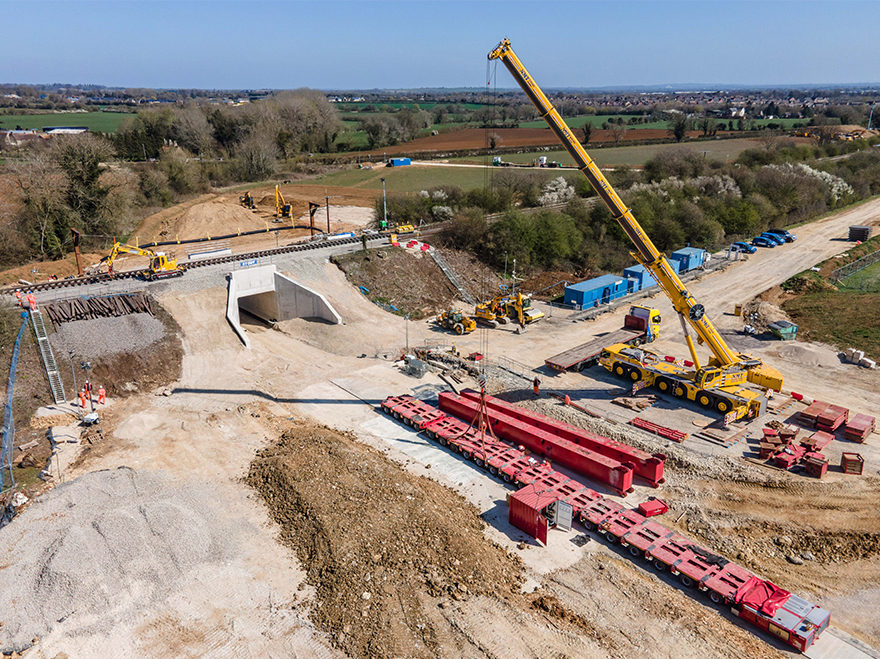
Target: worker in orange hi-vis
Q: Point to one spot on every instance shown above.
(32, 301)
(102, 395)
(18, 296)
(82, 398)
(536, 386)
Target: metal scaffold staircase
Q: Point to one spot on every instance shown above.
(46, 353)
(450, 275)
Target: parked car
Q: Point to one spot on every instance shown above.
(761, 241)
(787, 236)
(773, 238)
(743, 247)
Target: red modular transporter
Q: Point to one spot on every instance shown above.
(649, 467)
(788, 617)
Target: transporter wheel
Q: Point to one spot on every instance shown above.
(715, 597)
(704, 399)
(506, 477)
(396, 415)
(431, 434)
(590, 526)
(722, 405)
(479, 462)
(619, 370)
(442, 441)
(611, 538)
(659, 565)
(634, 550)
(685, 580)
(493, 470)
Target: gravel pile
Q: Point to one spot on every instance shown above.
(99, 547)
(100, 337)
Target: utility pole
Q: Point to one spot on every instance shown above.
(327, 201)
(384, 207)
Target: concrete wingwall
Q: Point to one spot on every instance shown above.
(267, 294)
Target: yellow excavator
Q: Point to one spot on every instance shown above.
(282, 208)
(734, 384)
(247, 200)
(456, 321)
(160, 267)
(491, 312)
(513, 306)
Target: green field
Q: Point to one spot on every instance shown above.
(413, 179)
(356, 106)
(596, 121)
(633, 156)
(101, 122)
(866, 280)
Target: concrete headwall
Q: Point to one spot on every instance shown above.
(272, 296)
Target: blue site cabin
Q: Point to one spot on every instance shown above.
(597, 290)
(688, 258)
(399, 162)
(639, 278)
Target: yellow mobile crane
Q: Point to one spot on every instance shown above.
(160, 265)
(722, 383)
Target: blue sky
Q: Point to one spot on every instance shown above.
(366, 44)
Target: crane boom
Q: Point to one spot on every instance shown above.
(646, 253)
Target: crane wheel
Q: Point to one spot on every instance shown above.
(678, 391)
(663, 386)
(722, 406)
(459, 328)
(635, 375)
(619, 370)
(705, 400)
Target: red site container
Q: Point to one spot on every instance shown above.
(582, 460)
(649, 467)
(653, 507)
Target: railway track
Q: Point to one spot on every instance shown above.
(229, 258)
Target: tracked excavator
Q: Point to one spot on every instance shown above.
(734, 384)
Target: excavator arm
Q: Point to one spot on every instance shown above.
(689, 310)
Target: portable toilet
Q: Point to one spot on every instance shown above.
(688, 258)
(599, 290)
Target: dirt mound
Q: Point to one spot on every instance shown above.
(549, 284)
(380, 545)
(760, 314)
(412, 283)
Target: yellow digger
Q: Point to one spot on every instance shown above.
(491, 312)
(160, 266)
(456, 321)
(282, 208)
